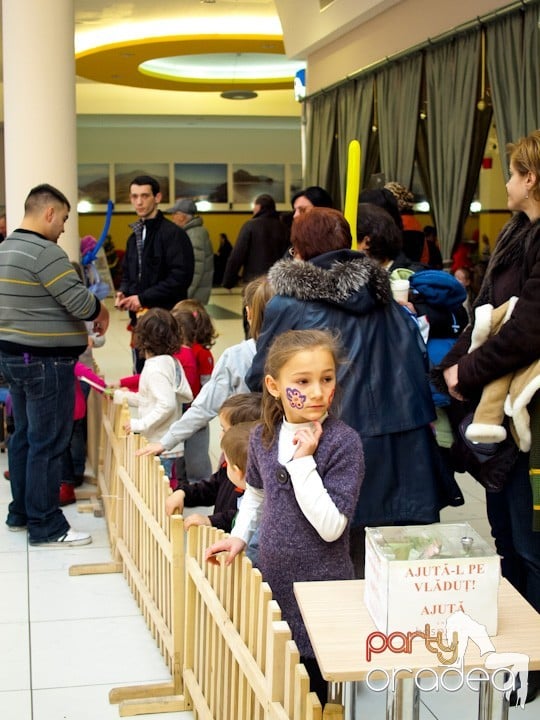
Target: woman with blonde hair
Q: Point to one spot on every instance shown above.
(513, 270)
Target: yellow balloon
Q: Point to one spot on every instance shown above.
(353, 188)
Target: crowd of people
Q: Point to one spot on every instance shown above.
(330, 423)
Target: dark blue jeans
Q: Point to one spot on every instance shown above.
(43, 394)
(510, 516)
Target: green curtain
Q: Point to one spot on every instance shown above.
(451, 84)
(505, 68)
(422, 154)
(320, 136)
(482, 123)
(531, 66)
(398, 95)
(355, 113)
(513, 60)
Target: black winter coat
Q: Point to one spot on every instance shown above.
(167, 265)
(261, 241)
(218, 491)
(384, 386)
(514, 269)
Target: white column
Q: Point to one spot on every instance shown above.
(40, 134)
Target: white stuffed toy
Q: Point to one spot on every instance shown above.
(509, 394)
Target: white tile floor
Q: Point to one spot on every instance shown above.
(66, 641)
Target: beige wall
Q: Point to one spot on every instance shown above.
(406, 24)
(158, 139)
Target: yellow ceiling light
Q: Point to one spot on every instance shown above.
(223, 63)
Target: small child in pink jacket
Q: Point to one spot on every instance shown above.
(75, 458)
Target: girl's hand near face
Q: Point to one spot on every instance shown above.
(307, 440)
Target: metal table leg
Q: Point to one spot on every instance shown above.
(403, 703)
(492, 704)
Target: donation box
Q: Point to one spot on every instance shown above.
(421, 574)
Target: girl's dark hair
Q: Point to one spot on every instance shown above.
(157, 333)
(385, 238)
(319, 231)
(284, 347)
(200, 328)
(186, 321)
(316, 195)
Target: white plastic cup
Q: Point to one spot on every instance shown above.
(400, 290)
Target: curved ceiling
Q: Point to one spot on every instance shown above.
(254, 62)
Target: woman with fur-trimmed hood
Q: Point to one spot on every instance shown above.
(384, 387)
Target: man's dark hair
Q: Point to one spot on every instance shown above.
(146, 180)
(44, 194)
(385, 239)
(266, 203)
(384, 199)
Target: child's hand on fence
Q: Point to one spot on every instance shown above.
(174, 502)
(127, 427)
(151, 449)
(232, 545)
(196, 519)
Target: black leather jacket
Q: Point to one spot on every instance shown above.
(167, 265)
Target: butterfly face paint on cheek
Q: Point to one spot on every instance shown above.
(295, 398)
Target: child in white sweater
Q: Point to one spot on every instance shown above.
(163, 387)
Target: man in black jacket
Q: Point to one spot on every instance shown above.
(158, 264)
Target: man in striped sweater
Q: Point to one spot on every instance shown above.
(43, 309)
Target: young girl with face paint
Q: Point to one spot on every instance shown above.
(303, 475)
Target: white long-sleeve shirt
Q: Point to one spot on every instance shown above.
(163, 388)
(227, 379)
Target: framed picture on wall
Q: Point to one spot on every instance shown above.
(296, 180)
(93, 183)
(252, 180)
(201, 181)
(125, 172)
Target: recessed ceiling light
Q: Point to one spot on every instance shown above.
(238, 94)
(223, 66)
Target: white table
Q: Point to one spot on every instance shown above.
(338, 625)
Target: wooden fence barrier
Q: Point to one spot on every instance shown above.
(229, 654)
(240, 661)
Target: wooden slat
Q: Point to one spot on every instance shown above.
(219, 630)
